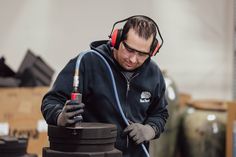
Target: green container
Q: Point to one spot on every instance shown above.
(203, 129)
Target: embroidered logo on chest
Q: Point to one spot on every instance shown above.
(145, 97)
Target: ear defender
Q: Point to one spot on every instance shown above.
(116, 38)
(155, 47)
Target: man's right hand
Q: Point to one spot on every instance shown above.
(71, 113)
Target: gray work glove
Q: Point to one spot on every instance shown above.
(139, 132)
(71, 113)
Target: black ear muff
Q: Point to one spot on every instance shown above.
(116, 38)
(155, 47)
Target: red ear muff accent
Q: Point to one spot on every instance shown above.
(155, 47)
(116, 38)
(155, 51)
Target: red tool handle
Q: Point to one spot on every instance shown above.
(76, 97)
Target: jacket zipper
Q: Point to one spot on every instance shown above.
(128, 88)
(128, 81)
(126, 99)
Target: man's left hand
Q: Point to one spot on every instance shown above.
(139, 132)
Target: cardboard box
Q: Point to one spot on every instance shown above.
(20, 113)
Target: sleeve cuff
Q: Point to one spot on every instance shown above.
(156, 130)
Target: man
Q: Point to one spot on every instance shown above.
(139, 81)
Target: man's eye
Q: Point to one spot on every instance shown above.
(129, 49)
(142, 54)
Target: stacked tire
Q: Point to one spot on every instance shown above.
(14, 147)
(84, 140)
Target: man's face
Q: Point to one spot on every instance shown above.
(133, 51)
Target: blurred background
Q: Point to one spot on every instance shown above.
(198, 48)
(198, 51)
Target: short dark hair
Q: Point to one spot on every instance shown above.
(144, 26)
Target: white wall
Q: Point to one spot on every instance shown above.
(198, 35)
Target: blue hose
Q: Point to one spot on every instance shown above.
(114, 88)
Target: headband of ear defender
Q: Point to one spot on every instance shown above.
(116, 36)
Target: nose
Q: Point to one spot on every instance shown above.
(133, 58)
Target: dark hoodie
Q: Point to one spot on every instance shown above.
(141, 96)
